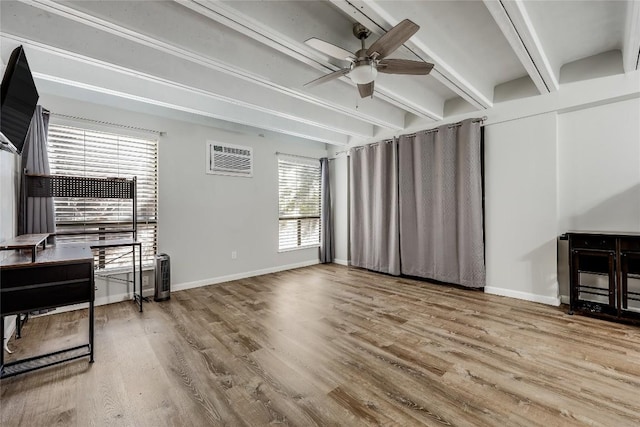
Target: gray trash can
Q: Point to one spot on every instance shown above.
(163, 278)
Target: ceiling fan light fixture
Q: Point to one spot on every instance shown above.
(363, 73)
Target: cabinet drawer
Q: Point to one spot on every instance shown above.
(593, 242)
(628, 244)
(28, 275)
(24, 299)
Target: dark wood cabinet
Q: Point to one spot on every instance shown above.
(605, 274)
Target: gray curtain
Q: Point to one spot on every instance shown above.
(440, 186)
(326, 225)
(374, 208)
(36, 213)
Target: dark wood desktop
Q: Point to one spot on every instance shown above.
(26, 241)
(60, 275)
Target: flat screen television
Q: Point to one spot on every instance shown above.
(18, 100)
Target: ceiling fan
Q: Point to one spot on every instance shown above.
(366, 63)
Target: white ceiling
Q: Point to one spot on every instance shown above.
(246, 62)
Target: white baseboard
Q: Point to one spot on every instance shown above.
(238, 276)
(555, 301)
(565, 299)
(341, 261)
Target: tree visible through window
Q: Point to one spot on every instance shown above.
(299, 204)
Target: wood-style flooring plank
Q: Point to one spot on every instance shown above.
(329, 345)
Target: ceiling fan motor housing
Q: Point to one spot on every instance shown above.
(360, 31)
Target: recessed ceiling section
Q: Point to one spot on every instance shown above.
(478, 48)
(515, 89)
(415, 93)
(572, 30)
(596, 66)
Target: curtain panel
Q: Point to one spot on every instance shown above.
(374, 229)
(440, 205)
(36, 214)
(326, 224)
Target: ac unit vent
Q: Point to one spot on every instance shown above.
(227, 159)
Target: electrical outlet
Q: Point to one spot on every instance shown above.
(234, 254)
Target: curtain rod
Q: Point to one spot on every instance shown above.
(452, 125)
(65, 116)
(337, 153)
(384, 141)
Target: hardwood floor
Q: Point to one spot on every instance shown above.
(329, 345)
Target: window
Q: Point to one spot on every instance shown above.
(81, 152)
(299, 204)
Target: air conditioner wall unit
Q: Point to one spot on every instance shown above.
(229, 159)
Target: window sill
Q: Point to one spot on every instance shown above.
(298, 248)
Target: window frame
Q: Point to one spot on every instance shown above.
(314, 197)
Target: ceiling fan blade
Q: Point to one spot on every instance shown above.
(328, 77)
(366, 90)
(393, 39)
(404, 66)
(330, 49)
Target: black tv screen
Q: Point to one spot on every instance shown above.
(18, 100)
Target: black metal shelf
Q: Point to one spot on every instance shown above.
(96, 188)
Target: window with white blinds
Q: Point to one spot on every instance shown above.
(87, 153)
(299, 204)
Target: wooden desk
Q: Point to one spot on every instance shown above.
(26, 241)
(62, 275)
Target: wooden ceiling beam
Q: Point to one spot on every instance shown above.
(631, 43)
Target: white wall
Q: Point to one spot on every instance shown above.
(202, 218)
(340, 198)
(521, 208)
(599, 173)
(9, 167)
(599, 164)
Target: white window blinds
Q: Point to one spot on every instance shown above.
(299, 203)
(81, 152)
